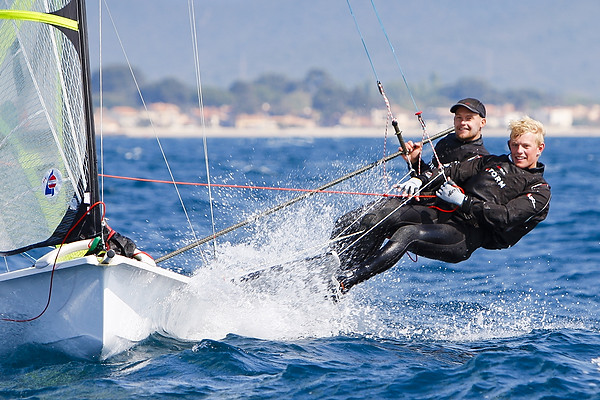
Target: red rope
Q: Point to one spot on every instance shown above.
(442, 210)
(54, 266)
(246, 186)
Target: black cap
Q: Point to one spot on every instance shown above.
(472, 104)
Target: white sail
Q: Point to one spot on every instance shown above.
(44, 168)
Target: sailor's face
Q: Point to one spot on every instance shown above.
(467, 124)
(525, 151)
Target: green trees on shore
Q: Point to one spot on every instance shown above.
(316, 94)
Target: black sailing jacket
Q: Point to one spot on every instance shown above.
(451, 149)
(504, 201)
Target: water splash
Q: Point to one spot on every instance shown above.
(407, 302)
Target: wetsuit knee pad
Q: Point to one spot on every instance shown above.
(447, 253)
(408, 233)
(436, 241)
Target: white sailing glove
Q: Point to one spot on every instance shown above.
(410, 187)
(450, 194)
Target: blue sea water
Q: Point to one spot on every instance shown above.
(521, 323)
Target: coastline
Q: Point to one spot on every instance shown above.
(319, 132)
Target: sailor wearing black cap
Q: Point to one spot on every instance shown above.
(472, 104)
(466, 142)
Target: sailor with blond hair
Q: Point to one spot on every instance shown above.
(496, 200)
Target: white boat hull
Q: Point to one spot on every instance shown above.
(95, 311)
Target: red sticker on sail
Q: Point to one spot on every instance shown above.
(52, 182)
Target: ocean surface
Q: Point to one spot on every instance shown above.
(521, 323)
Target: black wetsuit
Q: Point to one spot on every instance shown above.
(385, 214)
(503, 203)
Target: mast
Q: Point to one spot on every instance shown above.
(91, 226)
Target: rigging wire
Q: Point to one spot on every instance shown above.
(150, 120)
(418, 112)
(197, 70)
(390, 116)
(362, 40)
(101, 77)
(395, 56)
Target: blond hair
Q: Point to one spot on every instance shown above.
(527, 124)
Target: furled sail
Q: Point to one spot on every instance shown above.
(48, 175)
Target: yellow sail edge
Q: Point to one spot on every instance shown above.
(40, 17)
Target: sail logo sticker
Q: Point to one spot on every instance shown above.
(52, 183)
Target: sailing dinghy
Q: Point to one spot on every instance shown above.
(76, 299)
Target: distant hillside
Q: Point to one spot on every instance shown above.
(546, 46)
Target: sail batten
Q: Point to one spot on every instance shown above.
(47, 159)
(42, 17)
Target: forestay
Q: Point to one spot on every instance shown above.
(48, 169)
